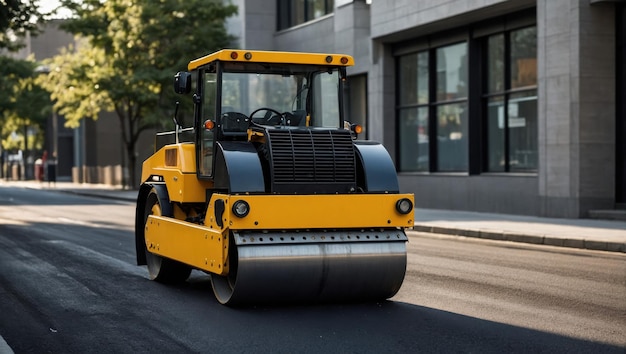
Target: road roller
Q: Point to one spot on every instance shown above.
(270, 191)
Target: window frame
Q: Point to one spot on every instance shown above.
(505, 93)
(476, 127)
(432, 103)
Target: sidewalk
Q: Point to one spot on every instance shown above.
(603, 235)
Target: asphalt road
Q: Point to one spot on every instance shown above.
(68, 284)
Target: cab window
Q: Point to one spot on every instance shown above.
(207, 137)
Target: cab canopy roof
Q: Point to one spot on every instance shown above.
(258, 56)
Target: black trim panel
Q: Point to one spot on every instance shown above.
(238, 168)
(376, 171)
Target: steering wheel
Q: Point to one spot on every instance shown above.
(271, 110)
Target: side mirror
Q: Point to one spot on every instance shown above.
(182, 82)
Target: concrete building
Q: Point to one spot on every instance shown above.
(508, 106)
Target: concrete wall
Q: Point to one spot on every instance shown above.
(254, 26)
(49, 43)
(352, 34)
(104, 153)
(393, 21)
(484, 193)
(319, 34)
(576, 79)
(346, 30)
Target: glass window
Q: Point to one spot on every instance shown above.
(298, 12)
(303, 95)
(441, 118)
(407, 79)
(355, 102)
(317, 8)
(413, 78)
(495, 134)
(524, 57)
(511, 105)
(326, 99)
(208, 113)
(413, 130)
(423, 80)
(434, 102)
(452, 72)
(452, 125)
(245, 92)
(294, 12)
(523, 131)
(413, 112)
(452, 154)
(495, 63)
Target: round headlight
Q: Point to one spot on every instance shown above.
(404, 206)
(241, 208)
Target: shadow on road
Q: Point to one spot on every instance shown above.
(380, 327)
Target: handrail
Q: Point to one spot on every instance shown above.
(175, 132)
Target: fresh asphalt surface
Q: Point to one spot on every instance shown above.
(68, 284)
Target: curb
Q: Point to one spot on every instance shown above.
(525, 238)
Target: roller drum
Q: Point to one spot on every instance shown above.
(308, 269)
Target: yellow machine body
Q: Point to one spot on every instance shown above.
(205, 246)
(176, 166)
(287, 211)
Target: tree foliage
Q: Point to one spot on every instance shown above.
(17, 18)
(23, 102)
(132, 50)
(73, 82)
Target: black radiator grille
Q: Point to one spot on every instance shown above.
(312, 156)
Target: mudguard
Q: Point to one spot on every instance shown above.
(238, 168)
(376, 172)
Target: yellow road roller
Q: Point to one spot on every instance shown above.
(269, 191)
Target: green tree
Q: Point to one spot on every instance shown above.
(11, 71)
(24, 103)
(132, 50)
(17, 18)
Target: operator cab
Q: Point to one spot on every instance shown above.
(237, 93)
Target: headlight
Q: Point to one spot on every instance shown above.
(404, 206)
(241, 208)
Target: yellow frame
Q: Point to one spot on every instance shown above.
(206, 246)
(189, 243)
(179, 175)
(283, 212)
(260, 56)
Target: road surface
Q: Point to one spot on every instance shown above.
(69, 284)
